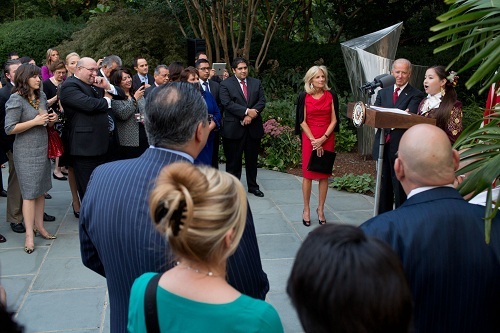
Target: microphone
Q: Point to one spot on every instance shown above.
(382, 80)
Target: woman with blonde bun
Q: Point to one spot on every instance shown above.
(202, 212)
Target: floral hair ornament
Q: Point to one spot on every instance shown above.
(453, 78)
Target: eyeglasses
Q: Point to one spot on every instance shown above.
(92, 70)
(204, 68)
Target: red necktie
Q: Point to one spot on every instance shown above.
(395, 96)
(245, 91)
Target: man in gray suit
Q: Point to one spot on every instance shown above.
(118, 239)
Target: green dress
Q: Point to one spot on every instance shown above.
(182, 315)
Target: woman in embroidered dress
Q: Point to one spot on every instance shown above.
(202, 211)
(317, 117)
(441, 102)
(26, 117)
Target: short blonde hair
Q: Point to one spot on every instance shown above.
(311, 73)
(72, 54)
(195, 207)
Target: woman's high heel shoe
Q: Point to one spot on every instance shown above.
(48, 236)
(77, 214)
(304, 222)
(321, 222)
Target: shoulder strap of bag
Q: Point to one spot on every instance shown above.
(150, 309)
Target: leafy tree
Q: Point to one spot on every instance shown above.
(228, 26)
(153, 38)
(475, 24)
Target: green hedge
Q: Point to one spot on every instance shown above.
(33, 37)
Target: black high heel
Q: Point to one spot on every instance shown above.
(304, 222)
(77, 214)
(321, 222)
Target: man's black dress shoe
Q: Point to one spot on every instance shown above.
(3, 193)
(48, 218)
(18, 227)
(257, 193)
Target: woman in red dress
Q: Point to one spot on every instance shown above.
(317, 123)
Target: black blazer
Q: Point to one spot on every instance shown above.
(136, 81)
(235, 105)
(215, 90)
(453, 274)
(409, 98)
(87, 115)
(6, 141)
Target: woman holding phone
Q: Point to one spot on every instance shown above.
(26, 117)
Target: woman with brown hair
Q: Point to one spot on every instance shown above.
(129, 115)
(50, 88)
(26, 116)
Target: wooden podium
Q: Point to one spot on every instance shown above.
(380, 119)
(383, 119)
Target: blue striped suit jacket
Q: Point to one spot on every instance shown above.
(118, 239)
(454, 276)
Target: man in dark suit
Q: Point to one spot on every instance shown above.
(454, 276)
(86, 98)
(14, 208)
(118, 239)
(108, 64)
(160, 76)
(243, 100)
(142, 76)
(405, 97)
(212, 87)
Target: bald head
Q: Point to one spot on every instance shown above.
(86, 70)
(425, 158)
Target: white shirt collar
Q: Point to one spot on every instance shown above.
(401, 88)
(181, 153)
(423, 189)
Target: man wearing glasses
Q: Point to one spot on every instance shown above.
(86, 98)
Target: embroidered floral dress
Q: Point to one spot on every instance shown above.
(453, 128)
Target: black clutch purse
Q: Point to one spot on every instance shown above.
(323, 164)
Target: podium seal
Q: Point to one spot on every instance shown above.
(358, 114)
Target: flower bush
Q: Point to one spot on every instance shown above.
(280, 146)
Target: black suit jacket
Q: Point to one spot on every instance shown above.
(235, 105)
(119, 241)
(6, 141)
(87, 115)
(215, 91)
(409, 98)
(453, 274)
(136, 81)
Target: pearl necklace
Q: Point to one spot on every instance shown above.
(196, 270)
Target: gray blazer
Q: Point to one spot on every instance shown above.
(128, 128)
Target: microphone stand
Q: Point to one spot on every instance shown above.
(369, 91)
